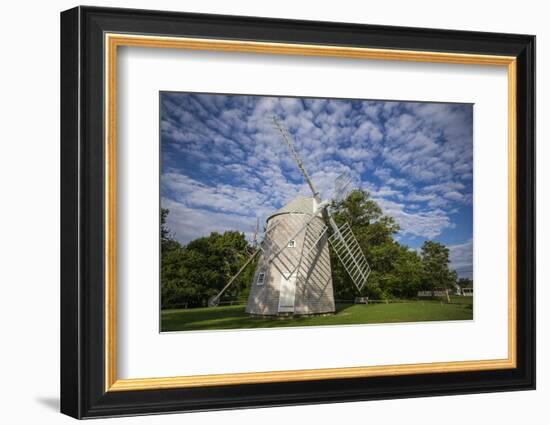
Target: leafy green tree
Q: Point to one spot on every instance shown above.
(435, 259)
(167, 243)
(365, 216)
(464, 282)
(397, 271)
(406, 274)
(374, 232)
(191, 274)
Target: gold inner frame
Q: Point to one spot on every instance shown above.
(113, 41)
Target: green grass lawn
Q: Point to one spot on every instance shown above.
(234, 317)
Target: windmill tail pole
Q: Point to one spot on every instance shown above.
(297, 158)
(214, 300)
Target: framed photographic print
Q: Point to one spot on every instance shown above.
(261, 212)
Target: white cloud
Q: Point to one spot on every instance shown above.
(416, 197)
(420, 154)
(454, 196)
(425, 224)
(220, 198)
(187, 223)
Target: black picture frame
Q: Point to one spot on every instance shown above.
(83, 392)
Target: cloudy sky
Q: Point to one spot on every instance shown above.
(223, 164)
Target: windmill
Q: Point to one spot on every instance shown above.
(293, 274)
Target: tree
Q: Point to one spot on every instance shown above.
(191, 274)
(365, 218)
(374, 232)
(464, 282)
(405, 277)
(435, 260)
(397, 271)
(167, 243)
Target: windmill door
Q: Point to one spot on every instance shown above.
(287, 293)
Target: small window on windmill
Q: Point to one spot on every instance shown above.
(291, 244)
(261, 279)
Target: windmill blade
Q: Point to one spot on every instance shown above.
(342, 186)
(215, 300)
(255, 237)
(350, 254)
(288, 141)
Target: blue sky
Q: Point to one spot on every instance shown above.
(223, 164)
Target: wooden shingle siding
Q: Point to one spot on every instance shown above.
(314, 291)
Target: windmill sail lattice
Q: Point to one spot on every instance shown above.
(350, 255)
(342, 185)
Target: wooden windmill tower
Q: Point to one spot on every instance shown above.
(293, 274)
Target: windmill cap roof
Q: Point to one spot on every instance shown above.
(300, 205)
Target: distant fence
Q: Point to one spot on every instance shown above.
(429, 294)
(392, 301)
(359, 300)
(205, 304)
(232, 302)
